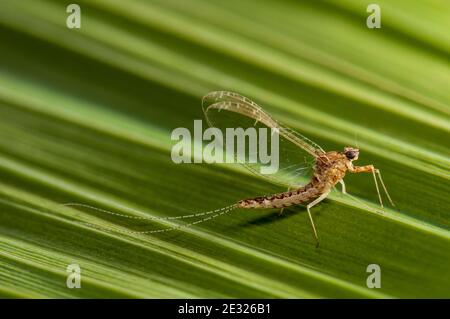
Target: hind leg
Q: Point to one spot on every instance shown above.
(310, 205)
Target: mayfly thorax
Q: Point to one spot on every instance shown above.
(299, 157)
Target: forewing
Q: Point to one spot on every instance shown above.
(297, 154)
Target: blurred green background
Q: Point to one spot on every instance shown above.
(86, 116)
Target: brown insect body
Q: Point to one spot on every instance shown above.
(330, 168)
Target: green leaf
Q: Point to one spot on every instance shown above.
(86, 116)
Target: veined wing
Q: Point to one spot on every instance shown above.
(296, 153)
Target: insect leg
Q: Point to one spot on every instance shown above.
(378, 190)
(365, 205)
(368, 169)
(313, 203)
(384, 187)
(344, 191)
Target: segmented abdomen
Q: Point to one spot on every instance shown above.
(302, 195)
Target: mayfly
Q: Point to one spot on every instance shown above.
(299, 156)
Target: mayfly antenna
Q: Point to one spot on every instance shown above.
(356, 140)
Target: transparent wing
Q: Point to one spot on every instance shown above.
(296, 154)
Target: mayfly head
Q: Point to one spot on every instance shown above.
(351, 153)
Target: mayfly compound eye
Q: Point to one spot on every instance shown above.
(350, 155)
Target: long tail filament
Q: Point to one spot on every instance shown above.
(216, 212)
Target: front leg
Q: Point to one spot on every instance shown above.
(362, 169)
(367, 169)
(373, 170)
